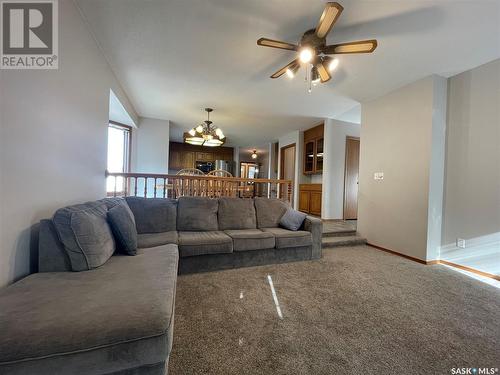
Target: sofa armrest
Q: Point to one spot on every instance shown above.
(315, 226)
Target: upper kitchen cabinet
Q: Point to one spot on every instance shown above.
(313, 150)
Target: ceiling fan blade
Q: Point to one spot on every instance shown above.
(282, 71)
(361, 46)
(324, 75)
(277, 44)
(328, 18)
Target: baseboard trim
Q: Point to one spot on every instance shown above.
(437, 261)
(428, 262)
(469, 269)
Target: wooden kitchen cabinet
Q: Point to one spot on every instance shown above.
(313, 150)
(182, 155)
(310, 198)
(180, 160)
(205, 156)
(187, 160)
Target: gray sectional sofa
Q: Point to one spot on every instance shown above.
(117, 317)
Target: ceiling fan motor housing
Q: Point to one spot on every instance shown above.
(310, 39)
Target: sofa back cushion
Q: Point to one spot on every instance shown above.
(269, 211)
(197, 214)
(85, 234)
(236, 213)
(153, 215)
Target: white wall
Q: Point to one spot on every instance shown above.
(53, 141)
(296, 137)
(150, 144)
(472, 185)
(334, 166)
(150, 152)
(398, 138)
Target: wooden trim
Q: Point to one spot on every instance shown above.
(473, 270)
(438, 261)
(282, 149)
(429, 262)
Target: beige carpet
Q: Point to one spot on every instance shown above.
(356, 311)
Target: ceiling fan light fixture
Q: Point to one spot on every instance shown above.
(292, 70)
(306, 54)
(333, 64)
(199, 129)
(314, 75)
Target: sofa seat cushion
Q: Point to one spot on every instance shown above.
(236, 213)
(146, 240)
(251, 239)
(116, 317)
(288, 238)
(202, 243)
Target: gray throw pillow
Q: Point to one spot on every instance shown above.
(292, 219)
(84, 231)
(122, 223)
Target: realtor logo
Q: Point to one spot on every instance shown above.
(29, 38)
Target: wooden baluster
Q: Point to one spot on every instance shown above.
(114, 192)
(135, 186)
(154, 191)
(164, 187)
(290, 192)
(145, 187)
(125, 186)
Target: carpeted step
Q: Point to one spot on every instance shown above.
(342, 241)
(340, 233)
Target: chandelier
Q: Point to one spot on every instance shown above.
(205, 134)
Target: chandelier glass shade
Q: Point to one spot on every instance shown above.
(205, 134)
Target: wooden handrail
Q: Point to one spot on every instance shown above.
(175, 186)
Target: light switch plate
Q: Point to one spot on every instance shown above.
(461, 243)
(378, 176)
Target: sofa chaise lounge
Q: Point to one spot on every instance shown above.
(118, 318)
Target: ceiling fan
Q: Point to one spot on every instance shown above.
(312, 48)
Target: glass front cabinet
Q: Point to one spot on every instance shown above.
(313, 150)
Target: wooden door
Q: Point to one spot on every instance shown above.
(287, 170)
(318, 156)
(175, 160)
(315, 205)
(351, 178)
(187, 159)
(309, 157)
(304, 200)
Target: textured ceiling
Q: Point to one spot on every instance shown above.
(175, 58)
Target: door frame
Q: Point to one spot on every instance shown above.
(282, 151)
(347, 138)
(282, 160)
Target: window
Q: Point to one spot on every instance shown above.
(119, 142)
